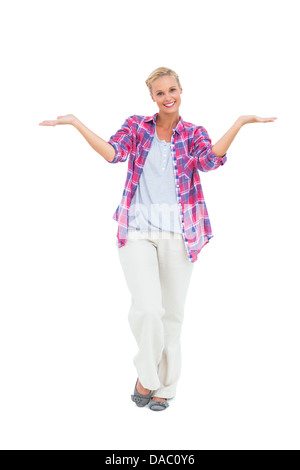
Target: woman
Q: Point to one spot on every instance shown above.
(163, 224)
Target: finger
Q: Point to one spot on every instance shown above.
(47, 123)
(268, 119)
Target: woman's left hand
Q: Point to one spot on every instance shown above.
(252, 118)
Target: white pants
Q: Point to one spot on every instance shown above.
(157, 272)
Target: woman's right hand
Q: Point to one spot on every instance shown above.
(67, 119)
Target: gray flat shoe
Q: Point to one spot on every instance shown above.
(158, 405)
(140, 400)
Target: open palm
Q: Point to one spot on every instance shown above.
(252, 118)
(67, 119)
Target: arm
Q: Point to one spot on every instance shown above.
(99, 145)
(122, 141)
(206, 160)
(118, 146)
(221, 147)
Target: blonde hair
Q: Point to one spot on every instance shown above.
(160, 72)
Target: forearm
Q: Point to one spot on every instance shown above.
(99, 145)
(221, 147)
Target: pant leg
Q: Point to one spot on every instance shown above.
(139, 261)
(175, 270)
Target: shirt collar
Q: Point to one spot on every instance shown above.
(178, 128)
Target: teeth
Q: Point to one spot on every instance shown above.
(169, 105)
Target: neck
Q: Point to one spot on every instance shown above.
(167, 121)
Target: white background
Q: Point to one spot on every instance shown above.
(66, 367)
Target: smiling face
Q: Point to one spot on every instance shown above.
(166, 94)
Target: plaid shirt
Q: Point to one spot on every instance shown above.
(191, 151)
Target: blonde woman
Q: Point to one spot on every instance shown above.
(163, 224)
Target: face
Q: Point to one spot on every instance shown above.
(165, 91)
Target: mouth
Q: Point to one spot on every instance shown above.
(169, 105)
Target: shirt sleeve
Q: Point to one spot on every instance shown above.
(122, 141)
(202, 151)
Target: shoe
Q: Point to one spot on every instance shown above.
(140, 400)
(158, 405)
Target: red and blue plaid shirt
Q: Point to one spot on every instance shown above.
(191, 151)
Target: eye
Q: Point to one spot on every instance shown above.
(172, 89)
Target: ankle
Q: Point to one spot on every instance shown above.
(159, 399)
(141, 389)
